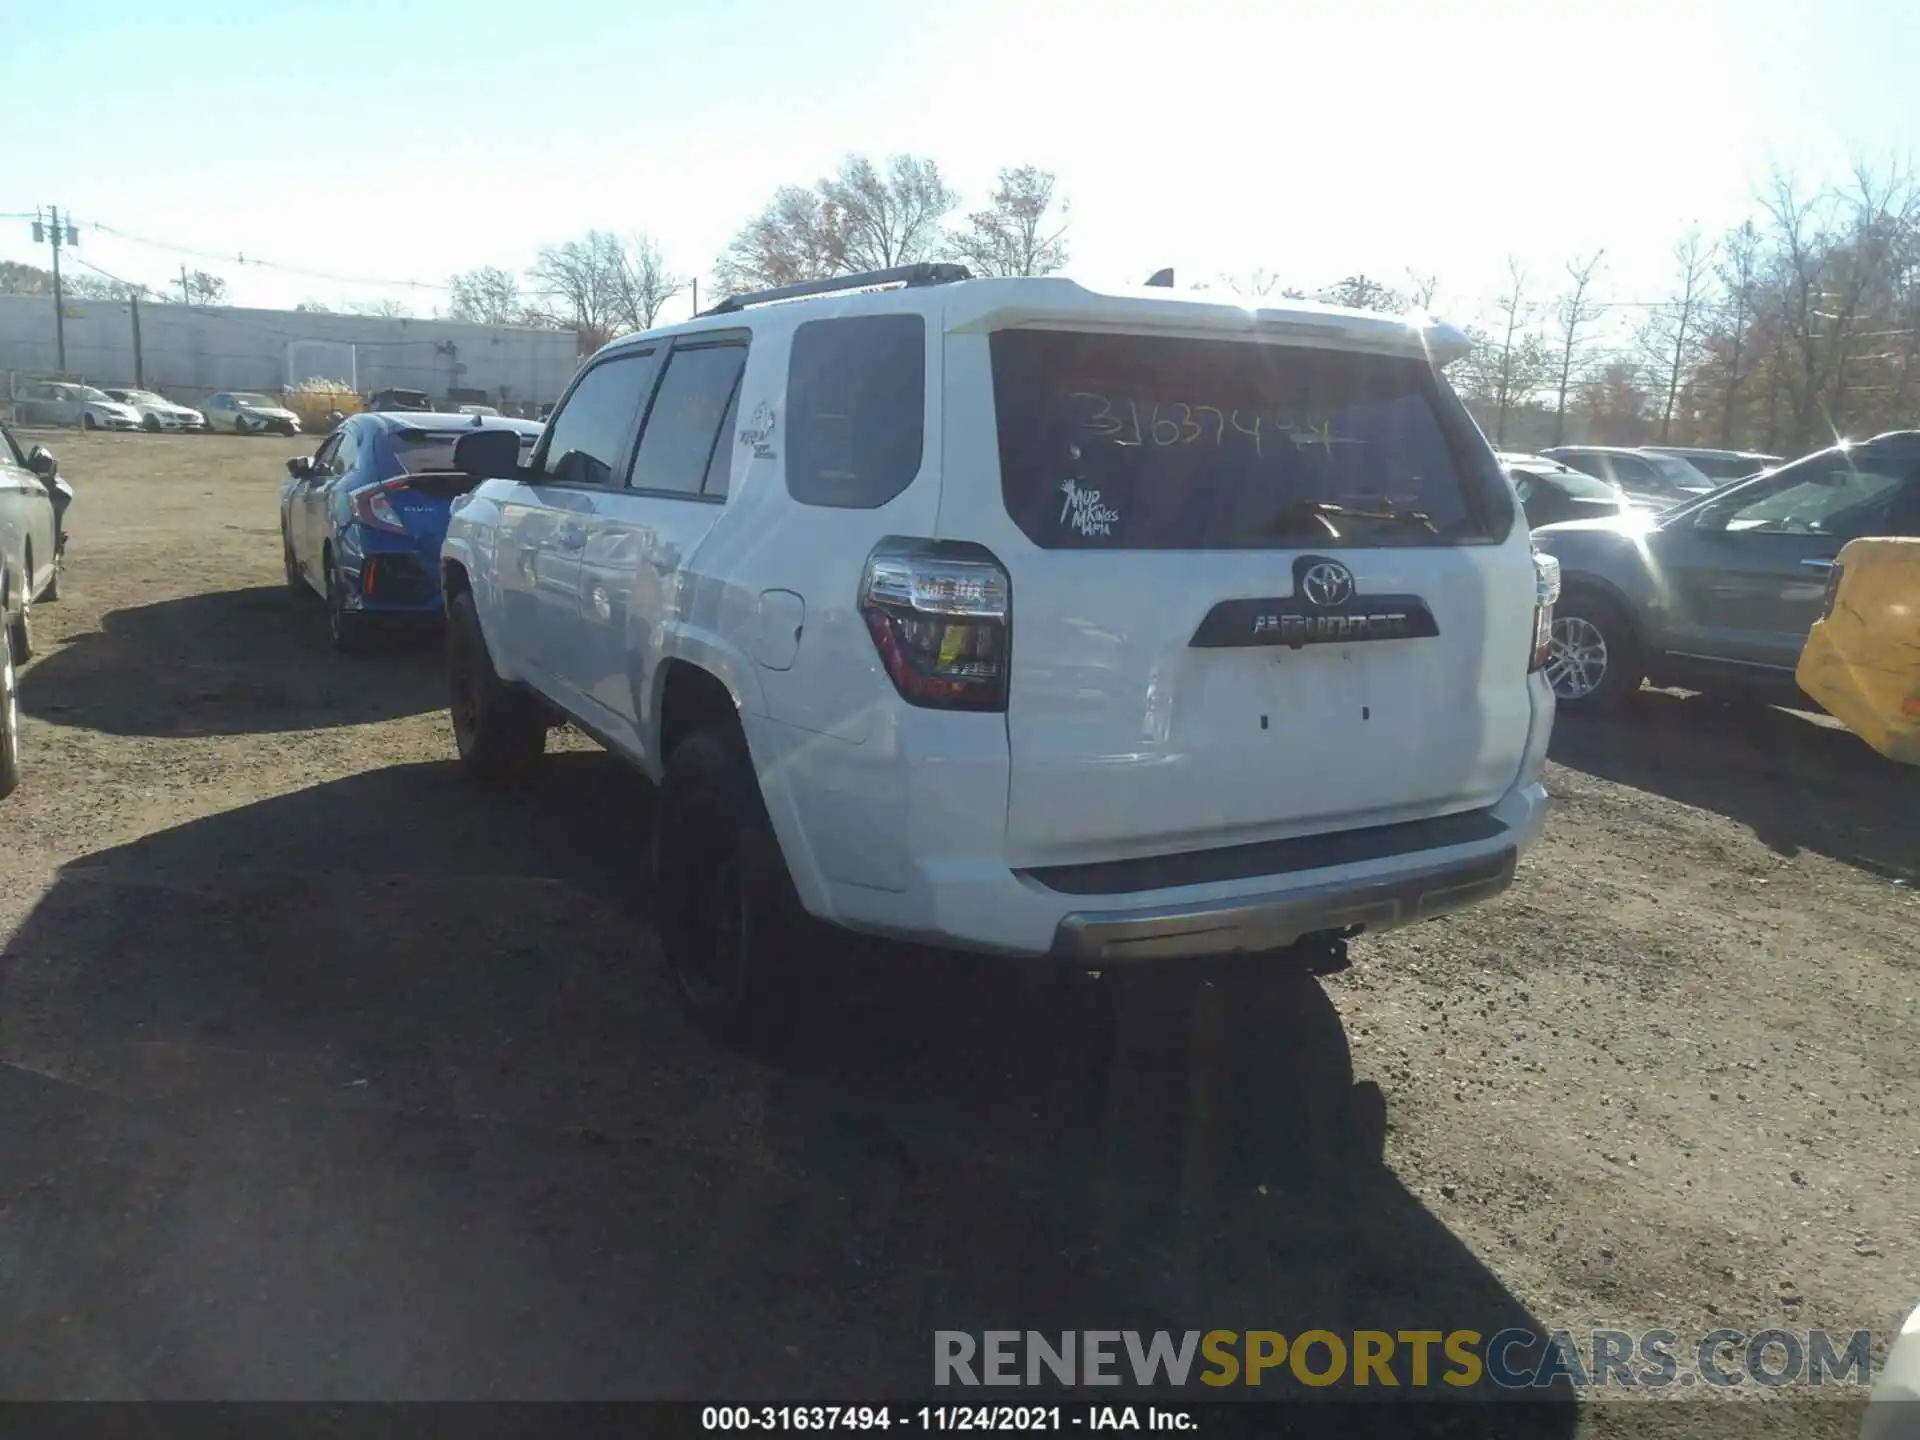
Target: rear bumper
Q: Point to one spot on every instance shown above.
(1273, 921)
(929, 867)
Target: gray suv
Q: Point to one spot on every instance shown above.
(1720, 592)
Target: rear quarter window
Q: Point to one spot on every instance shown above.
(1163, 443)
(856, 409)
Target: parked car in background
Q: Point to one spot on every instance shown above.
(361, 520)
(156, 412)
(478, 410)
(417, 400)
(30, 554)
(1861, 662)
(1718, 465)
(1656, 479)
(1721, 592)
(247, 413)
(1550, 491)
(64, 402)
(919, 637)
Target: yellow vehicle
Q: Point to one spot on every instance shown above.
(1862, 659)
(317, 402)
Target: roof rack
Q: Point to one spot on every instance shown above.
(924, 273)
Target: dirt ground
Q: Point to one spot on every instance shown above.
(325, 1074)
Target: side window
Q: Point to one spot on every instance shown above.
(324, 456)
(677, 446)
(587, 434)
(720, 466)
(348, 455)
(856, 409)
(10, 448)
(1824, 497)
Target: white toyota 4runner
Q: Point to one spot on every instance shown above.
(1017, 616)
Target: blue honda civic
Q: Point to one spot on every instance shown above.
(362, 518)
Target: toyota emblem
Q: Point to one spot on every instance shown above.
(1327, 584)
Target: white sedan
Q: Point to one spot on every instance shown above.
(246, 413)
(156, 412)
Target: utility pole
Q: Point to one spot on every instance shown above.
(185, 298)
(56, 234)
(139, 366)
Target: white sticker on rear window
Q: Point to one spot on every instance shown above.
(1084, 512)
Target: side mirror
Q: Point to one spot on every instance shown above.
(487, 453)
(1710, 518)
(40, 461)
(300, 467)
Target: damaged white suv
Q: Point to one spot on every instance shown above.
(1017, 616)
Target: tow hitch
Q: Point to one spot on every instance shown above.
(1325, 951)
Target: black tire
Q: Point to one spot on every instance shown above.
(20, 628)
(1596, 663)
(151, 424)
(346, 631)
(9, 718)
(87, 421)
(52, 592)
(240, 425)
(499, 729)
(746, 957)
(296, 583)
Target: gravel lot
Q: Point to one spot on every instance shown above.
(324, 1074)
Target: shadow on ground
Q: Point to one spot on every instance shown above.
(1798, 783)
(230, 662)
(377, 1090)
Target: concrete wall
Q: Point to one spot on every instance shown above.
(191, 352)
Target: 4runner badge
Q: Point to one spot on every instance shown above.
(1325, 608)
(757, 433)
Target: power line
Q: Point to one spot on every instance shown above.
(240, 258)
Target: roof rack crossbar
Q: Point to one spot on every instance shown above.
(925, 273)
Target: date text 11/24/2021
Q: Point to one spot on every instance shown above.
(935, 1418)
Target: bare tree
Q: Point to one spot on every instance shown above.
(642, 282)
(1515, 312)
(385, 307)
(1421, 289)
(1575, 312)
(1020, 232)
(18, 279)
(1673, 336)
(794, 238)
(863, 218)
(891, 218)
(1363, 292)
(582, 280)
(487, 296)
(1739, 271)
(202, 288)
(1255, 285)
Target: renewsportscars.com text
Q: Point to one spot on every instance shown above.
(1512, 1359)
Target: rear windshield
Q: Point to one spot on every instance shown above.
(1572, 482)
(1124, 442)
(422, 452)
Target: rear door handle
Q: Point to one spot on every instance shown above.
(1821, 565)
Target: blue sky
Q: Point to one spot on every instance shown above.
(410, 140)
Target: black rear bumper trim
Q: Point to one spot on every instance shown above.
(1268, 857)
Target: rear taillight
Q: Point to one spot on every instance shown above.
(1546, 591)
(1833, 593)
(373, 507)
(940, 616)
